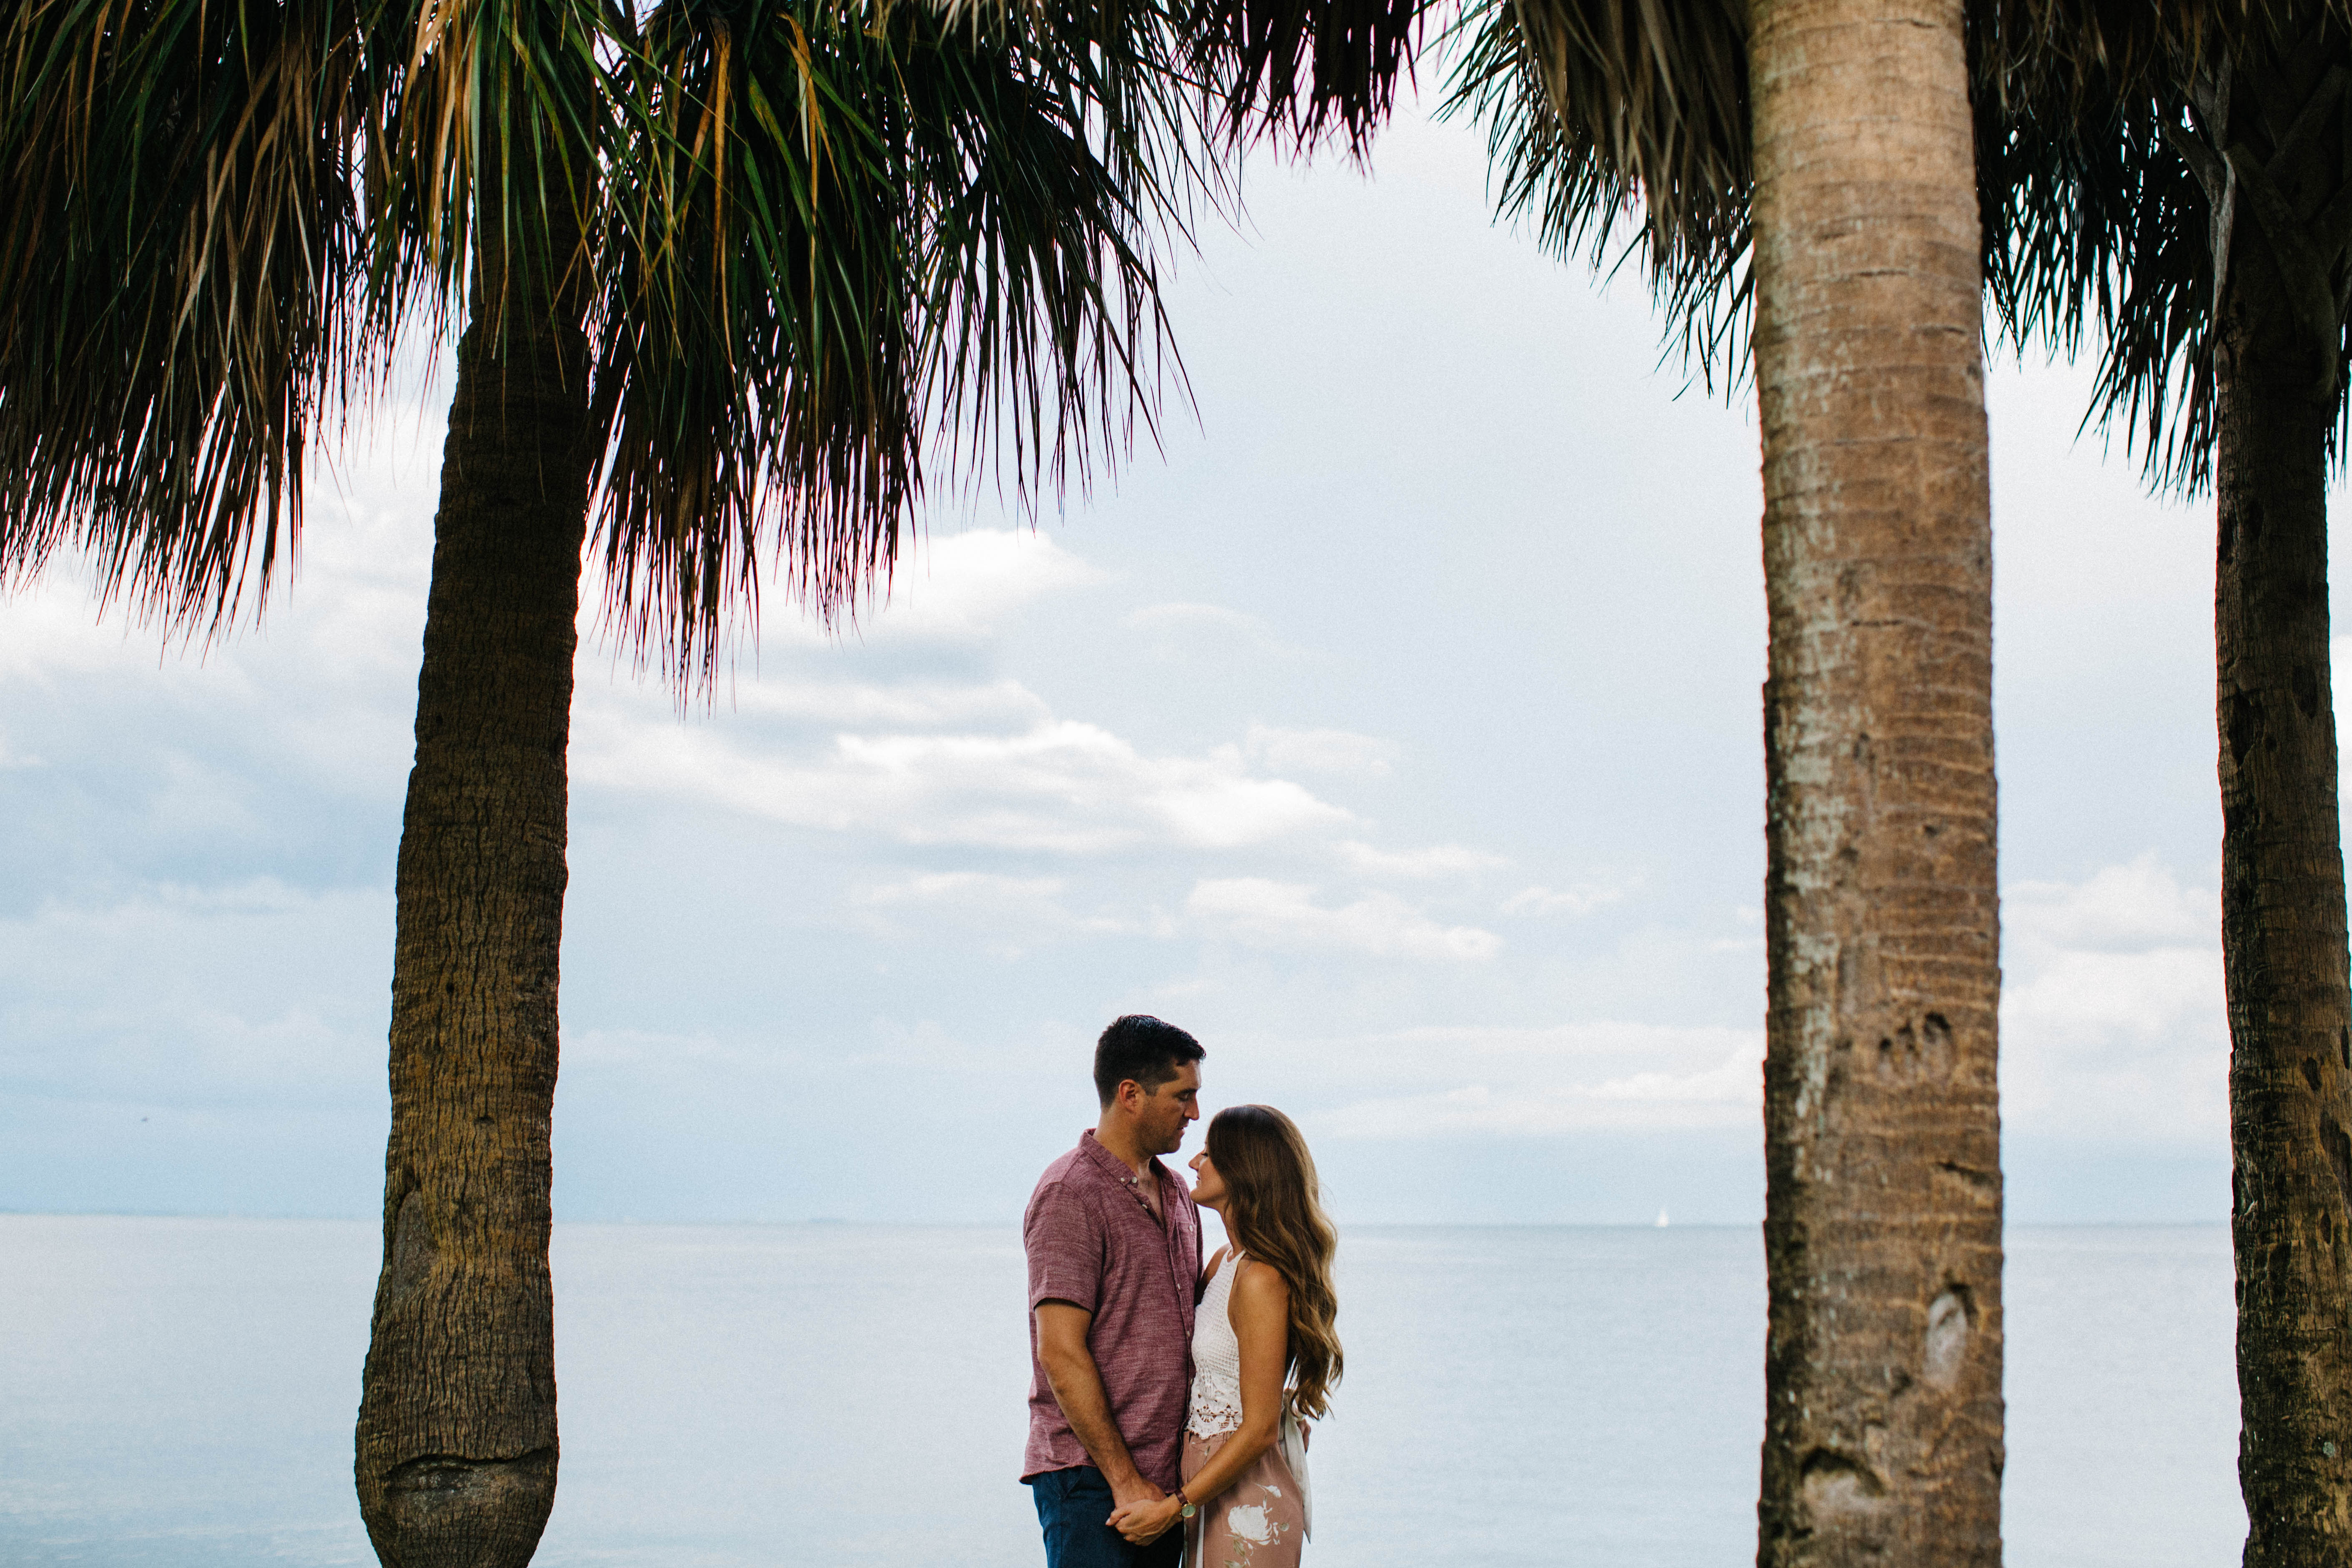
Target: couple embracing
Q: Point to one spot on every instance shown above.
(1167, 1400)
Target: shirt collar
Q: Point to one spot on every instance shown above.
(1115, 1167)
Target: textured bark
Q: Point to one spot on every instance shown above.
(2283, 918)
(1883, 1429)
(457, 1442)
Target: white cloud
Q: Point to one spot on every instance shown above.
(1259, 912)
(2121, 908)
(1544, 1082)
(322, 686)
(2112, 1029)
(1721, 1096)
(1319, 750)
(1437, 860)
(951, 588)
(53, 630)
(912, 704)
(1184, 617)
(1060, 785)
(970, 889)
(881, 1049)
(2113, 1023)
(245, 992)
(1174, 631)
(961, 586)
(1009, 915)
(1581, 900)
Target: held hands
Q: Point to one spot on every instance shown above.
(1144, 1520)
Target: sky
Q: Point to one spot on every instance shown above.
(1393, 726)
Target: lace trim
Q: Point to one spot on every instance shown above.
(1216, 1406)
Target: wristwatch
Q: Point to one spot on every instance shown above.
(1185, 1507)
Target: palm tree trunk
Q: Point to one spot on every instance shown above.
(2283, 918)
(457, 1443)
(1883, 1430)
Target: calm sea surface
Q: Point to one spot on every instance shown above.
(179, 1394)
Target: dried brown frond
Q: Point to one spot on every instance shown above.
(2053, 51)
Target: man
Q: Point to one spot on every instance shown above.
(1114, 1247)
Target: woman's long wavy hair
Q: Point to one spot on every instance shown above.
(1274, 1212)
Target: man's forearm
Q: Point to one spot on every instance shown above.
(1077, 1386)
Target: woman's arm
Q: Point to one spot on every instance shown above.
(1260, 1313)
(1259, 1310)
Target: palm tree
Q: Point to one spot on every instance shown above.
(1882, 1116)
(1855, 148)
(2201, 225)
(2106, 141)
(1838, 133)
(726, 276)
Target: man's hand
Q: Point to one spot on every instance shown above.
(1143, 1522)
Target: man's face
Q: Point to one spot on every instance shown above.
(1162, 1116)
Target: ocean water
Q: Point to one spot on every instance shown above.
(179, 1394)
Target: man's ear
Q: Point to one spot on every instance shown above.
(1128, 1097)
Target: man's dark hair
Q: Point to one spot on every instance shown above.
(1141, 1048)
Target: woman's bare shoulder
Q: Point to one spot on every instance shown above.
(1257, 1283)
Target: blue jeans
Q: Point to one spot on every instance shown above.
(1072, 1505)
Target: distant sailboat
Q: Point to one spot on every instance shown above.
(1663, 1221)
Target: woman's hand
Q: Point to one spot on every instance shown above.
(1144, 1523)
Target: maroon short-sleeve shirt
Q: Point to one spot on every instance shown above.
(1093, 1242)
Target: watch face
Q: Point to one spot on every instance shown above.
(1187, 1511)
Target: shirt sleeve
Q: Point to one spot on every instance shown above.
(1064, 1238)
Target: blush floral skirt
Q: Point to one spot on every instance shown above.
(1259, 1521)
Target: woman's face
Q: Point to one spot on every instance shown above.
(1208, 1187)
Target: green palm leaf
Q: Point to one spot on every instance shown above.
(486, 122)
(179, 246)
(2095, 231)
(754, 338)
(1303, 68)
(834, 243)
(1601, 114)
(1617, 130)
(813, 245)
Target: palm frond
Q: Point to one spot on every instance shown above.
(2098, 234)
(486, 123)
(1053, 160)
(2100, 230)
(755, 336)
(814, 245)
(1603, 116)
(1303, 69)
(2087, 53)
(1618, 129)
(178, 261)
(837, 243)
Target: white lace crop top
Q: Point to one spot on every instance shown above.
(1217, 1404)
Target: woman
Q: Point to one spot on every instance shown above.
(1263, 1321)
